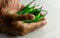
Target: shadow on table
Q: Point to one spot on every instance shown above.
(36, 34)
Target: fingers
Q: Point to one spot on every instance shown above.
(28, 17)
(15, 17)
(25, 17)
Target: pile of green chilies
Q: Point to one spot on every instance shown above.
(32, 10)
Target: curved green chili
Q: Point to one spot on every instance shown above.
(25, 8)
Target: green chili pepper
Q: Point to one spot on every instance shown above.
(36, 12)
(25, 8)
(31, 9)
(40, 17)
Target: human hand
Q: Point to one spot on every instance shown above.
(16, 26)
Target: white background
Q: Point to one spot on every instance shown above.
(52, 29)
